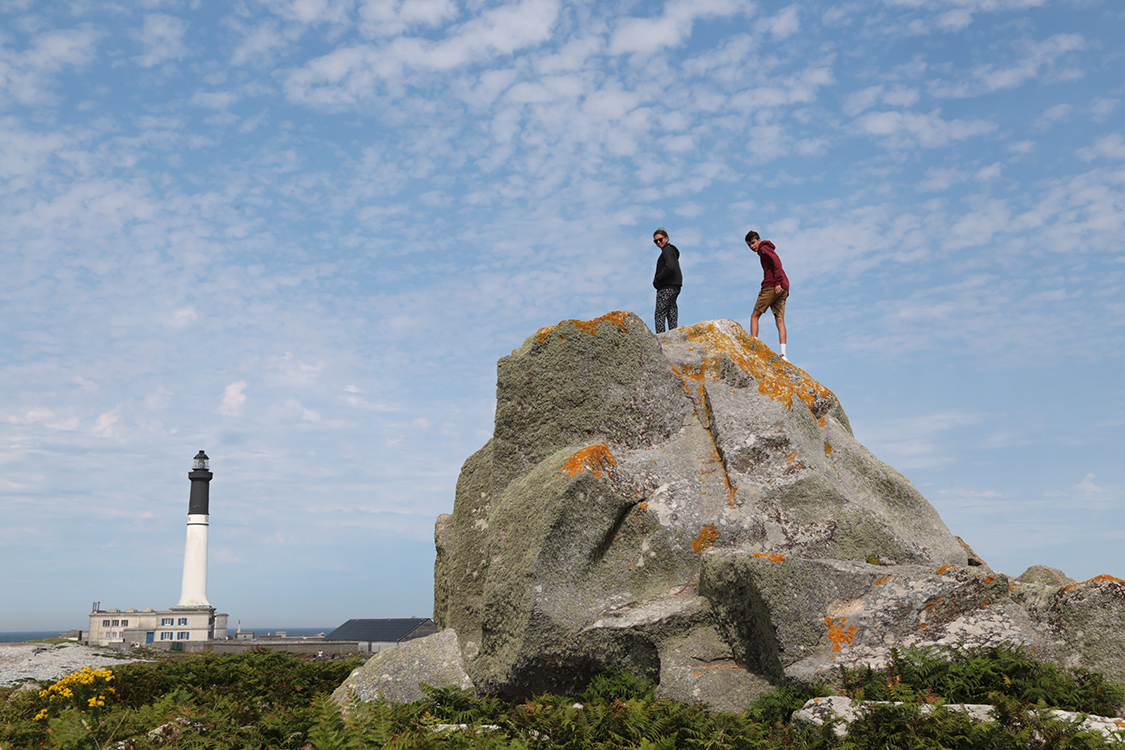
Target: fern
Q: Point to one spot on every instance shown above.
(329, 732)
(369, 725)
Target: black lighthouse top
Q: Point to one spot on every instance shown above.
(200, 485)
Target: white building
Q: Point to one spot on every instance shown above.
(128, 627)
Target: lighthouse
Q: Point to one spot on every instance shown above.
(193, 594)
(183, 626)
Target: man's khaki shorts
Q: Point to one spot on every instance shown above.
(770, 299)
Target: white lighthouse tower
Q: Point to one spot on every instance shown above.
(193, 594)
(184, 626)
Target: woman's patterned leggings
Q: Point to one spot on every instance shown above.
(666, 307)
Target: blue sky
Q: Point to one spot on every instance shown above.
(298, 234)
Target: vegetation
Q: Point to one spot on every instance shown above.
(278, 700)
(978, 675)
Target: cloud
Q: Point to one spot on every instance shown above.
(918, 442)
(260, 42)
(647, 36)
(393, 17)
(296, 372)
(1036, 59)
(989, 173)
(311, 12)
(1103, 108)
(162, 38)
(84, 384)
(785, 24)
(184, 317)
(233, 399)
(1110, 146)
(28, 76)
(350, 74)
(1052, 115)
(912, 129)
(1087, 486)
(214, 99)
(939, 178)
(106, 423)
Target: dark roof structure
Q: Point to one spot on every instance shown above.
(392, 630)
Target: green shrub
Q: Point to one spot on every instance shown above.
(616, 684)
(277, 701)
(778, 705)
(976, 675)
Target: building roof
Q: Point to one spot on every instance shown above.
(387, 630)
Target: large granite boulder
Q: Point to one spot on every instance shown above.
(693, 509)
(619, 460)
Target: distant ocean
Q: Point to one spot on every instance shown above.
(15, 636)
(289, 632)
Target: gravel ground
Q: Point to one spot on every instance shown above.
(20, 662)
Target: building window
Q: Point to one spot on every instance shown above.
(125, 623)
(105, 623)
(167, 620)
(182, 621)
(165, 636)
(115, 623)
(183, 635)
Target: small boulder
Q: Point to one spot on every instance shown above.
(397, 674)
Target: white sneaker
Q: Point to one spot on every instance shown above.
(784, 358)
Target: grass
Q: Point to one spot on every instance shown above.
(280, 701)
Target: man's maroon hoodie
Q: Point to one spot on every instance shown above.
(771, 265)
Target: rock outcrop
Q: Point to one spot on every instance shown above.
(397, 674)
(691, 508)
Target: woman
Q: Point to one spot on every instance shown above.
(667, 281)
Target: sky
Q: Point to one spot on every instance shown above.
(298, 234)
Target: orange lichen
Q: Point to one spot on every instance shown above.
(1095, 579)
(776, 379)
(827, 448)
(941, 570)
(791, 457)
(706, 539)
(775, 558)
(839, 634)
(934, 602)
(589, 327)
(642, 506)
(596, 458)
(989, 579)
(883, 580)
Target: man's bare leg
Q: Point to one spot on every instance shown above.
(781, 334)
(754, 323)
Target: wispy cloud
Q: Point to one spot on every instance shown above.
(1035, 60)
(233, 399)
(162, 37)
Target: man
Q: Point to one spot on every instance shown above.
(775, 287)
(667, 281)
